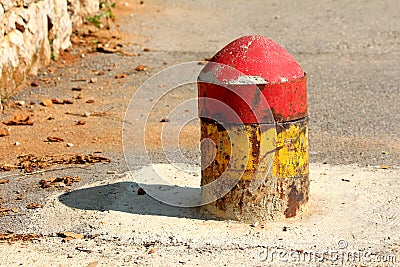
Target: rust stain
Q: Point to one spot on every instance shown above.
(282, 198)
(255, 145)
(291, 159)
(220, 203)
(295, 198)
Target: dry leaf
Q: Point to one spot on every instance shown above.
(66, 180)
(11, 237)
(4, 181)
(7, 167)
(54, 139)
(32, 206)
(20, 120)
(113, 50)
(121, 75)
(385, 167)
(5, 210)
(151, 251)
(83, 159)
(45, 183)
(4, 132)
(60, 102)
(52, 70)
(90, 101)
(31, 162)
(57, 101)
(47, 102)
(107, 50)
(141, 68)
(70, 235)
(93, 264)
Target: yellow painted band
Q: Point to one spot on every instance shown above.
(291, 156)
(247, 151)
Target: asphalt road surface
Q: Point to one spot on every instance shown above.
(350, 51)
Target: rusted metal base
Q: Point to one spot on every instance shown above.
(266, 167)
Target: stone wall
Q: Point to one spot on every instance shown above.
(32, 32)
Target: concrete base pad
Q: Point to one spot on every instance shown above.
(350, 209)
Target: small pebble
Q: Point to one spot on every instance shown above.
(255, 224)
(141, 191)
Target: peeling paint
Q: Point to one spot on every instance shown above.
(291, 157)
(245, 79)
(271, 167)
(210, 77)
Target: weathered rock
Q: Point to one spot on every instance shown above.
(33, 32)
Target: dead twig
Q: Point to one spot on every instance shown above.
(97, 114)
(79, 80)
(90, 114)
(113, 50)
(42, 171)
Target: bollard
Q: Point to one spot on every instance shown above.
(254, 133)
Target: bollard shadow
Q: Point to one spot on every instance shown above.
(124, 197)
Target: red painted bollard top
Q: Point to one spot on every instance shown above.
(243, 69)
